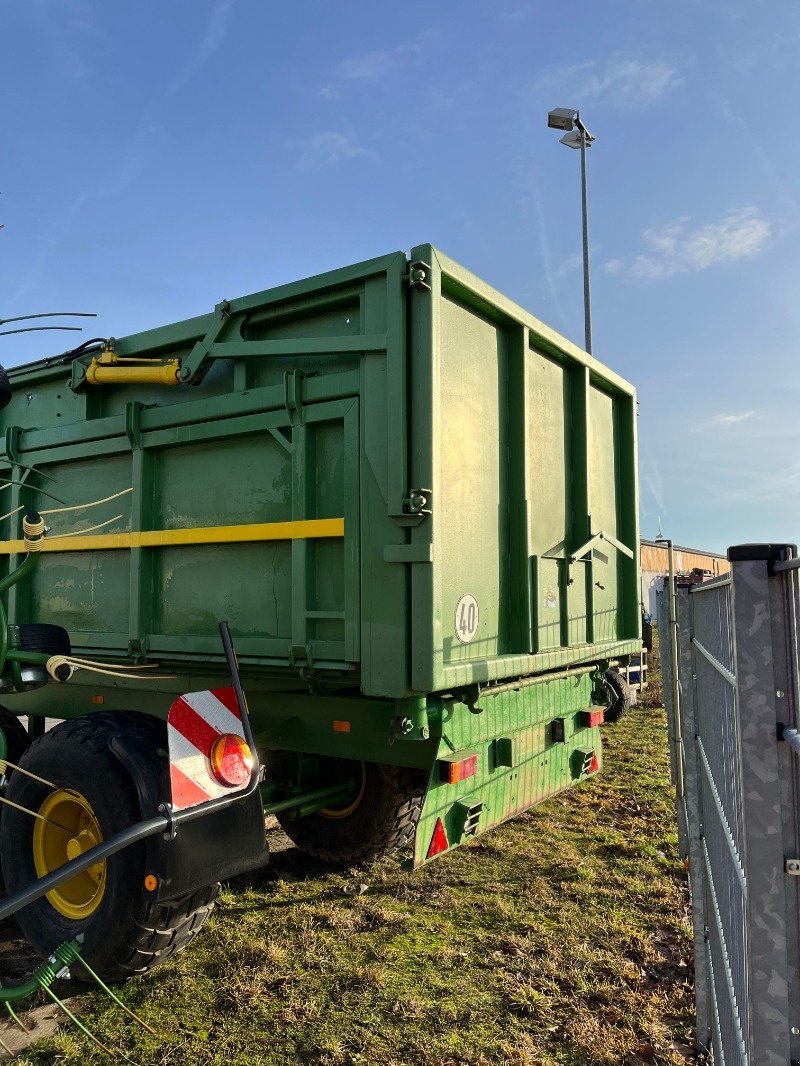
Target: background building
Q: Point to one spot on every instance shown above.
(655, 566)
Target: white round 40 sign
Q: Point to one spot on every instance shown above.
(466, 619)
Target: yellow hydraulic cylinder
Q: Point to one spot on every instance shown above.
(115, 371)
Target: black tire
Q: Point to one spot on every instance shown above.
(44, 637)
(382, 822)
(17, 739)
(622, 696)
(128, 933)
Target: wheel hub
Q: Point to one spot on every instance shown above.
(67, 829)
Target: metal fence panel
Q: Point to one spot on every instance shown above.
(738, 799)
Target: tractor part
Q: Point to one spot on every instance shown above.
(14, 737)
(621, 695)
(125, 931)
(377, 816)
(58, 966)
(81, 863)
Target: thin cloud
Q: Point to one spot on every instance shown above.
(374, 65)
(627, 84)
(678, 248)
(654, 482)
(377, 64)
(331, 147)
(213, 37)
(722, 421)
(216, 31)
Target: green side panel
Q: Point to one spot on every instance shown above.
(548, 514)
(471, 505)
(519, 760)
(86, 592)
(603, 506)
(527, 446)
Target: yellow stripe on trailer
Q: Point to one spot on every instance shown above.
(303, 529)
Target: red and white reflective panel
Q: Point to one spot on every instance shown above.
(195, 721)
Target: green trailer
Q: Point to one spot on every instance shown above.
(416, 507)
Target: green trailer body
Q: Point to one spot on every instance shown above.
(414, 503)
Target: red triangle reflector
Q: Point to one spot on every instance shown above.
(594, 765)
(438, 840)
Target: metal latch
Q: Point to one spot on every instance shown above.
(416, 506)
(792, 867)
(418, 274)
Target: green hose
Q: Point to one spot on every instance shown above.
(45, 974)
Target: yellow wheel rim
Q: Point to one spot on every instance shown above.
(342, 812)
(70, 830)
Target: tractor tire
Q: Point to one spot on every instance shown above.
(44, 637)
(16, 736)
(381, 820)
(622, 696)
(126, 932)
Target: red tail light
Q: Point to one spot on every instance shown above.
(456, 769)
(231, 760)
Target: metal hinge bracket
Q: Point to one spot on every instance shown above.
(301, 659)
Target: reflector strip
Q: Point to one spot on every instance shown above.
(438, 840)
(195, 721)
(593, 717)
(185, 792)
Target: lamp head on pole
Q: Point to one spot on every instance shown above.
(576, 138)
(567, 118)
(561, 118)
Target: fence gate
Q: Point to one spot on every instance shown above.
(733, 708)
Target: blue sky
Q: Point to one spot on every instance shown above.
(161, 156)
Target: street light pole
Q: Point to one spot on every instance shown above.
(587, 299)
(577, 136)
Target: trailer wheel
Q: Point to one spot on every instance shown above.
(622, 696)
(15, 734)
(125, 931)
(378, 820)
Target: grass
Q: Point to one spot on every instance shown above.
(560, 938)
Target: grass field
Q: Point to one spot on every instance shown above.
(562, 937)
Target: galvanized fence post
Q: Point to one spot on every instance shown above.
(687, 799)
(756, 628)
(692, 817)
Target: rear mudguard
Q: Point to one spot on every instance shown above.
(212, 848)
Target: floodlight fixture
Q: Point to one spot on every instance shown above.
(561, 118)
(575, 139)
